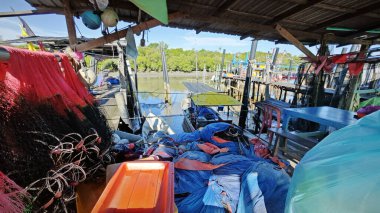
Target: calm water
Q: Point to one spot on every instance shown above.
(152, 98)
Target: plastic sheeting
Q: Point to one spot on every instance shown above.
(341, 173)
(232, 181)
(239, 185)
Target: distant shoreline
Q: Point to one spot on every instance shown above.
(174, 74)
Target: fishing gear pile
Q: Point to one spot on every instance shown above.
(52, 134)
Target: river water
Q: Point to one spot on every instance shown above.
(152, 98)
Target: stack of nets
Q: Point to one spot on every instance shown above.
(52, 135)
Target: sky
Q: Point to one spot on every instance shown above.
(55, 25)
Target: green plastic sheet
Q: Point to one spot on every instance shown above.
(214, 99)
(375, 101)
(341, 173)
(156, 8)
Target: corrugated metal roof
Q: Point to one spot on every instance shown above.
(255, 17)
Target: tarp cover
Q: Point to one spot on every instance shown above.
(232, 181)
(341, 173)
(157, 9)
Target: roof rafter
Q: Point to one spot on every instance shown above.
(361, 11)
(293, 10)
(362, 30)
(120, 34)
(218, 11)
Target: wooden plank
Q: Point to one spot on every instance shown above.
(295, 42)
(121, 34)
(70, 22)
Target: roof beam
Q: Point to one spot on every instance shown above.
(70, 22)
(362, 30)
(255, 16)
(121, 34)
(218, 11)
(293, 10)
(27, 13)
(361, 11)
(270, 29)
(331, 7)
(286, 34)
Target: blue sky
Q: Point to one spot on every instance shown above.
(55, 25)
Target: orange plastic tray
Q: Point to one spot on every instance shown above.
(139, 186)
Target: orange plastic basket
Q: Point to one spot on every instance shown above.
(144, 186)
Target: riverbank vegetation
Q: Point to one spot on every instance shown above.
(178, 59)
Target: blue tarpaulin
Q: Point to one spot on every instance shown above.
(237, 181)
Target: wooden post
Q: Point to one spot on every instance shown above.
(247, 85)
(221, 69)
(288, 36)
(318, 87)
(204, 73)
(166, 76)
(354, 85)
(70, 23)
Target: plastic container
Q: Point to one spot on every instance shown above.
(140, 186)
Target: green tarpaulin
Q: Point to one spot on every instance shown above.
(156, 8)
(214, 99)
(375, 101)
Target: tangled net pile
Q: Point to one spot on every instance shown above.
(75, 158)
(44, 112)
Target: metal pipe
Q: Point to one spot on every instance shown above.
(4, 54)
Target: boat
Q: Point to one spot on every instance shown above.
(198, 111)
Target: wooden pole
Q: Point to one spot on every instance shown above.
(121, 34)
(221, 69)
(288, 36)
(166, 76)
(247, 85)
(204, 73)
(354, 85)
(70, 22)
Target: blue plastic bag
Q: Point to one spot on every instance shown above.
(341, 173)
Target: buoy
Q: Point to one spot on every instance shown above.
(91, 20)
(109, 17)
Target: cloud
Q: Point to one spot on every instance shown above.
(10, 29)
(203, 41)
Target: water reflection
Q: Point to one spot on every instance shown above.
(152, 99)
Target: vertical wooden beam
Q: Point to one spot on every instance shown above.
(288, 36)
(221, 69)
(247, 86)
(319, 83)
(354, 84)
(70, 23)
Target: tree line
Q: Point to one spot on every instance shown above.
(178, 59)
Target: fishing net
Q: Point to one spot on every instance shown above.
(44, 112)
(12, 196)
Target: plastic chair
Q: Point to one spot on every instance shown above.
(267, 120)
